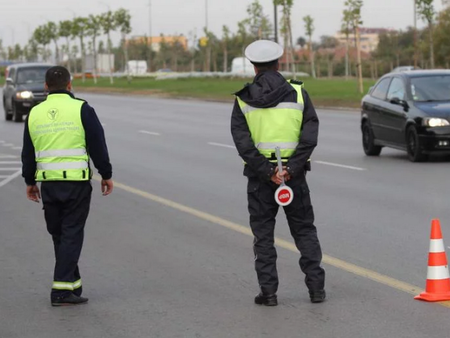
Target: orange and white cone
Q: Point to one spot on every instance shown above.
(438, 278)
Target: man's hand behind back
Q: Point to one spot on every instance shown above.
(277, 177)
(107, 187)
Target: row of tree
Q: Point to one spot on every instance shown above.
(209, 52)
(89, 28)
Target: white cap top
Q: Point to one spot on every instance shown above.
(263, 51)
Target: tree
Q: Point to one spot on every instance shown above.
(309, 28)
(426, 10)
(41, 36)
(65, 31)
(225, 41)
(258, 23)
(345, 28)
(301, 41)
(123, 21)
(108, 24)
(328, 44)
(79, 29)
(53, 33)
(93, 30)
(101, 47)
(442, 39)
(286, 31)
(354, 15)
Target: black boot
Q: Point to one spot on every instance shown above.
(317, 296)
(267, 300)
(69, 300)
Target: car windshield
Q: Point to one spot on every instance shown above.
(431, 88)
(31, 75)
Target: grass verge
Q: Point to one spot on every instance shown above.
(324, 92)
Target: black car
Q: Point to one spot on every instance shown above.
(408, 111)
(24, 88)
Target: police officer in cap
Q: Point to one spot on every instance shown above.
(272, 112)
(61, 135)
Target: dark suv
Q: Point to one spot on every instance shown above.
(24, 88)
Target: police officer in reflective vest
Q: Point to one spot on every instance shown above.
(272, 112)
(61, 135)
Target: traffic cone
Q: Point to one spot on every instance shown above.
(438, 278)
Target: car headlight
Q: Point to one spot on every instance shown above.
(24, 95)
(435, 122)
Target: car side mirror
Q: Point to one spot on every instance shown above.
(9, 81)
(403, 103)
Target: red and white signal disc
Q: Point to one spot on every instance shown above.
(284, 195)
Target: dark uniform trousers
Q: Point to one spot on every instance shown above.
(300, 216)
(66, 208)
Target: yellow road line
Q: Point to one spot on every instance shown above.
(335, 262)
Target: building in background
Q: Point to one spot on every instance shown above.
(370, 37)
(103, 65)
(446, 3)
(158, 40)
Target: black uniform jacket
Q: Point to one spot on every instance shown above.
(95, 142)
(268, 89)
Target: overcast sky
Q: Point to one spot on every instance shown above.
(184, 16)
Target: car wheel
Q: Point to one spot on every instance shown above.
(413, 146)
(8, 116)
(368, 139)
(16, 115)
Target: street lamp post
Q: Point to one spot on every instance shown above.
(150, 46)
(275, 20)
(415, 35)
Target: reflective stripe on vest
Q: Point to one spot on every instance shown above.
(59, 140)
(62, 165)
(282, 105)
(278, 126)
(61, 153)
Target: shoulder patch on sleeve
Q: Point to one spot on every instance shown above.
(297, 82)
(76, 98)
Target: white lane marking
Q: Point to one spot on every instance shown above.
(340, 165)
(10, 162)
(8, 156)
(8, 145)
(1, 141)
(10, 169)
(149, 132)
(10, 178)
(17, 148)
(103, 124)
(221, 145)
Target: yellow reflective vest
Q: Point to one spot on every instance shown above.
(58, 137)
(278, 126)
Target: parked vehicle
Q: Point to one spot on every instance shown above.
(405, 69)
(408, 111)
(24, 88)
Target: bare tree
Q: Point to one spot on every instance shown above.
(309, 28)
(426, 10)
(354, 12)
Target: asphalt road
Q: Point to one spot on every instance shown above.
(169, 255)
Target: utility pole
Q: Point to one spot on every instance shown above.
(206, 15)
(275, 21)
(208, 48)
(415, 34)
(150, 47)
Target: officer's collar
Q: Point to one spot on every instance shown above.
(62, 91)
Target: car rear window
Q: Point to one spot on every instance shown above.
(380, 91)
(431, 88)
